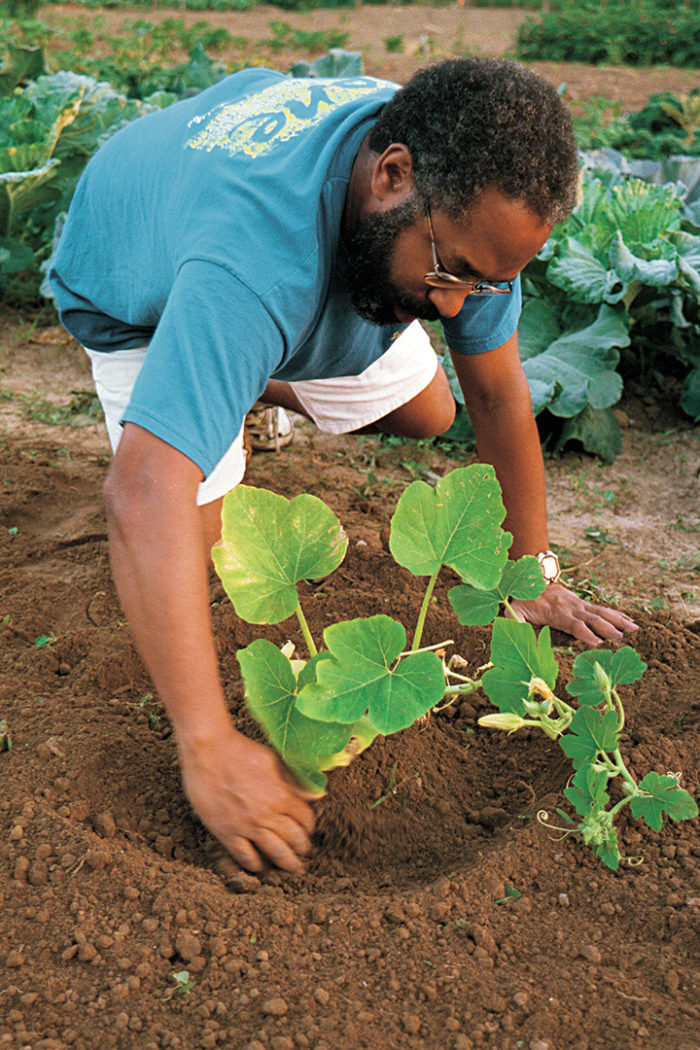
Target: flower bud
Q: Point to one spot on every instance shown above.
(601, 679)
(503, 720)
(538, 685)
(535, 709)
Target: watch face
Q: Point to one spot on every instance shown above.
(549, 563)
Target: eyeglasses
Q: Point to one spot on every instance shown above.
(441, 278)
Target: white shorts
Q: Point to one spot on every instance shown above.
(337, 406)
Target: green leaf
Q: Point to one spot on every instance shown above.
(690, 394)
(520, 579)
(662, 796)
(655, 272)
(538, 326)
(518, 655)
(15, 256)
(511, 894)
(609, 851)
(269, 544)
(361, 676)
(271, 694)
(337, 63)
(20, 63)
(473, 606)
(596, 429)
(588, 790)
(590, 734)
(622, 668)
(22, 190)
(688, 247)
(643, 212)
(584, 278)
(44, 640)
(457, 523)
(582, 363)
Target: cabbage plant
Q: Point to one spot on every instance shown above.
(619, 280)
(48, 132)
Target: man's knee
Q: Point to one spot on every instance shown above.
(428, 414)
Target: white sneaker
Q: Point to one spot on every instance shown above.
(269, 427)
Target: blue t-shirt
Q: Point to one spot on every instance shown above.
(210, 230)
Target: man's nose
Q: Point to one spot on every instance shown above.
(448, 301)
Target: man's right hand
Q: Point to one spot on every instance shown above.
(159, 549)
(243, 794)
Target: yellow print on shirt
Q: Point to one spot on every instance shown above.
(256, 124)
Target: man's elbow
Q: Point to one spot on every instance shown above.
(122, 501)
(502, 399)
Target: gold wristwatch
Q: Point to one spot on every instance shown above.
(549, 564)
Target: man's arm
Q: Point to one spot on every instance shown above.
(498, 401)
(238, 788)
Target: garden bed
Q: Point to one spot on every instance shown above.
(437, 911)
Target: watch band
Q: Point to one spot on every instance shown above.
(549, 564)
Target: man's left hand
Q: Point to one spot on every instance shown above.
(560, 608)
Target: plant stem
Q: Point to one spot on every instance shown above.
(564, 710)
(623, 770)
(619, 707)
(605, 760)
(424, 610)
(428, 648)
(310, 644)
(618, 805)
(468, 686)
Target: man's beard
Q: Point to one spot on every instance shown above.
(368, 250)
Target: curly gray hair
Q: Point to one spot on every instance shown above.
(477, 122)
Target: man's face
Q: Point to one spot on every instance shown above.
(389, 253)
(370, 251)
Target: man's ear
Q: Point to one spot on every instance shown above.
(392, 175)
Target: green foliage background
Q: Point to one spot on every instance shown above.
(614, 295)
(616, 32)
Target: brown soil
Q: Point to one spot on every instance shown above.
(402, 934)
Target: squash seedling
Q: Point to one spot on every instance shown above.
(321, 712)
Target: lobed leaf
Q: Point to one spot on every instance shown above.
(587, 792)
(271, 694)
(518, 655)
(622, 668)
(589, 734)
(609, 851)
(361, 677)
(519, 579)
(269, 544)
(457, 523)
(662, 796)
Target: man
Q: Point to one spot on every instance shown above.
(278, 237)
